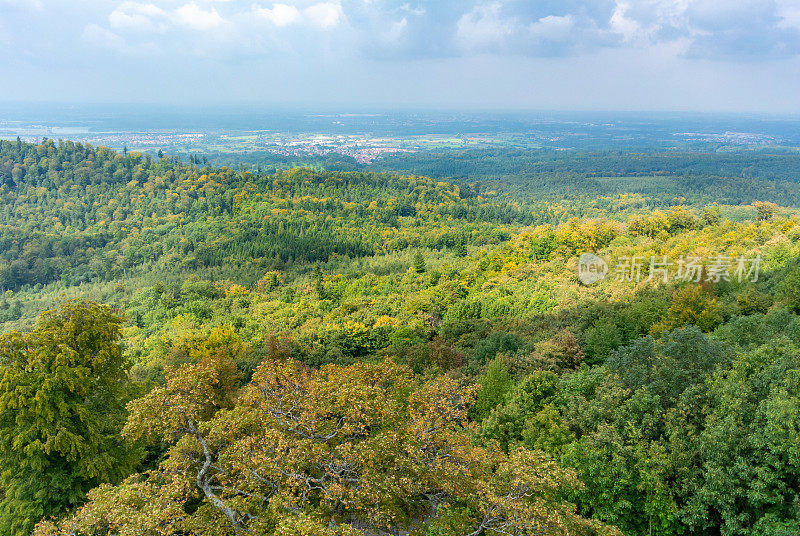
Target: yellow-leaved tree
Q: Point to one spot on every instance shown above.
(359, 449)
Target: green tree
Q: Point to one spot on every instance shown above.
(419, 263)
(506, 422)
(63, 390)
(602, 338)
(749, 448)
(711, 215)
(494, 385)
(789, 290)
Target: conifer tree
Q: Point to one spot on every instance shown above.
(419, 263)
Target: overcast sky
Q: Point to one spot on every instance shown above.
(713, 55)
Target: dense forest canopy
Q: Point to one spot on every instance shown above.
(709, 173)
(312, 352)
(77, 213)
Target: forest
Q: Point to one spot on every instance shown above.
(700, 173)
(190, 348)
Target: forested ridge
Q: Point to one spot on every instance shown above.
(323, 353)
(703, 174)
(79, 213)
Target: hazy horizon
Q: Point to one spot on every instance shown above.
(373, 109)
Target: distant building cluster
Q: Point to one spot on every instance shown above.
(360, 153)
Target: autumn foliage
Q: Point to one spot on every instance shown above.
(340, 450)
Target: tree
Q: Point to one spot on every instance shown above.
(765, 209)
(495, 383)
(789, 289)
(681, 358)
(506, 422)
(712, 215)
(558, 353)
(751, 301)
(336, 451)
(603, 337)
(63, 387)
(419, 263)
(749, 447)
(692, 304)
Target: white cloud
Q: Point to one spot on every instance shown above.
(395, 31)
(102, 37)
(370, 42)
(416, 11)
(484, 27)
(552, 28)
(789, 13)
(389, 30)
(137, 16)
(627, 27)
(197, 18)
(279, 15)
(669, 23)
(709, 28)
(324, 15)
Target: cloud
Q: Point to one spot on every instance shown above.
(552, 28)
(101, 37)
(495, 28)
(484, 28)
(280, 14)
(719, 53)
(386, 31)
(708, 29)
(628, 27)
(395, 31)
(729, 30)
(324, 15)
(197, 18)
(138, 17)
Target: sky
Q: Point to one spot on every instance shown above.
(640, 55)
